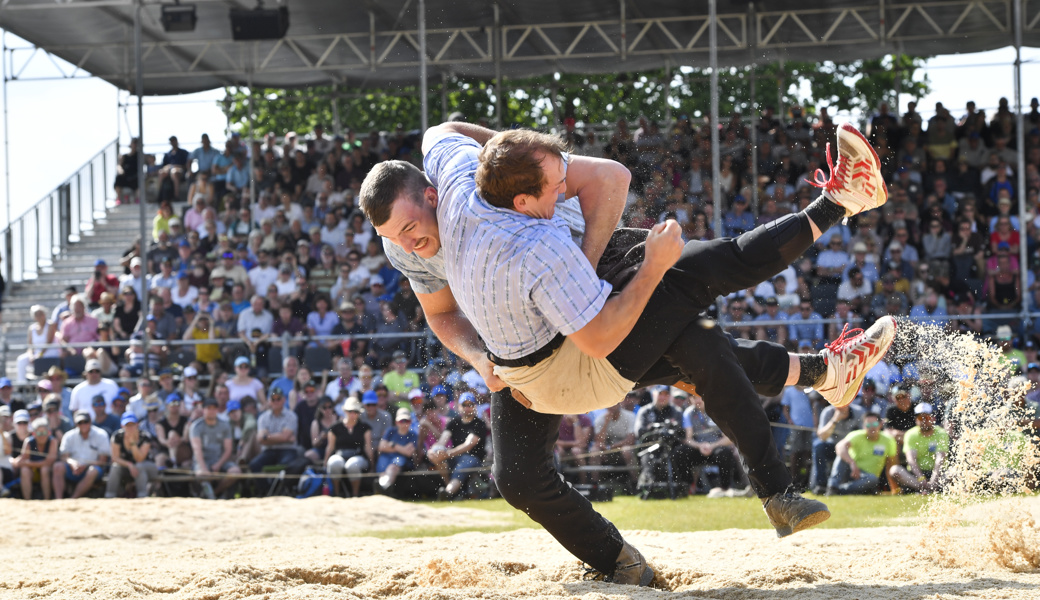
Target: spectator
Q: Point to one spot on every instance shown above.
(863, 455)
(322, 422)
(212, 447)
(254, 327)
(40, 341)
(243, 384)
(100, 282)
(835, 424)
(276, 433)
(926, 447)
(170, 431)
(572, 443)
(305, 405)
(130, 453)
(349, 447)
(467, 434)
(807, 332)
(396, 450)
(106, 421)
(378, 419)
(78, 328)
(615, 430)
(399, 380)
(713, 447)
(93, 385)
(83, 455)
(798, 411)
(127, 314)
(36, 460)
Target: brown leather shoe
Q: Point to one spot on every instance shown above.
(790, 513)
(630, 569)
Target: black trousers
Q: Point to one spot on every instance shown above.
(671, 343)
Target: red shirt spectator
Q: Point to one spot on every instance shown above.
(101, 282)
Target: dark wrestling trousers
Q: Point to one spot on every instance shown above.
(669, 343)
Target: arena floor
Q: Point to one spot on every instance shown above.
(285, 548)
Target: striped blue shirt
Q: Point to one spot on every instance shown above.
(519, 280)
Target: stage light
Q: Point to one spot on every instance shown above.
(259, 23)
(178, 17)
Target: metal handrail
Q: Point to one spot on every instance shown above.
(42, 232)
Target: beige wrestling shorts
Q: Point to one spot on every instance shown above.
(569, 382)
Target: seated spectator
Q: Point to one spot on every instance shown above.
(243, 384)
(863, 455)
(78, 327)
(807, 332)
(396, 451)
(348, 325)
(926, 447)
(212, 447)
(130, 456)
(127, 314)
(615, 429)
(170, 434)
(40, 341)
(856, 290)
(572, 443)
(835, 424)
(713, 447)
(106, 421)
(276, 431)
(290, 366)
(928, 311)
(83, 456)
(349, 447)
(467, 434)
(376, 418)
(57, 423)
(319, 429)
(798, 410)
(399, 380)
(99, 283)
(35, 462)
(431, 426)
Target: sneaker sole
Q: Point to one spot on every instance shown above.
(847, 127)
(812, 520)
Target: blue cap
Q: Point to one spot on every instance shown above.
(182, 275)
(1003, 246)
(467, 397)
(241, 360)
(233, 405)
(184, 244)
(439, 390)
(174, 397)
(128, 417)
(122, 391)
(5, 382)
(150, 318)
(370, 397)
(100, 263)
(1032, 366)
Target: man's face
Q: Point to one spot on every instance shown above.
(94, 376)
(554, 178)
(873, 427)
(664, 398)
(258, 304)
(925, 421)
(413, 225)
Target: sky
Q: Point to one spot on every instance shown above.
(57, 126)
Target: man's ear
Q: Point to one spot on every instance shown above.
(430, 196)
(520, 202)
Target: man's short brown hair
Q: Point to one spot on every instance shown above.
(511, 164)
(385, 183)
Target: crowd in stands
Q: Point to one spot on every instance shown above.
(260, 257)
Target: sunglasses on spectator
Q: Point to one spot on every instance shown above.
(94, 371)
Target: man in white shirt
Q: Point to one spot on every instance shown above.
(83, 453)
(95, 384)
(263, 274)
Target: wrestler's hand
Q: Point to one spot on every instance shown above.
(486, 369)
(664, 245)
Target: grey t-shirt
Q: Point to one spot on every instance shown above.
(844, 427)
(212, 437)
(270, 423)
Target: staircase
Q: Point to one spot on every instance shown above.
(111, 237)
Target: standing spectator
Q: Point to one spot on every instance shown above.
(130, 453)
(615, 430)
(83, 453)
(713, 447)
(174, 163)
(835, 424)
(36, 461)
(93, 385)
(798, 411)
(926, 447)
(468, 435)
(349, 447)
(396, 449)
(276, 433)
(212, 446)
(862, 456)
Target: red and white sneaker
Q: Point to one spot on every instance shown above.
(850, 357)
(855, 183)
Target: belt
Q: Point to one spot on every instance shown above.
(531, 359)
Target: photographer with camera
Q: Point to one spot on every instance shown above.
(672, 461)
(99, 283)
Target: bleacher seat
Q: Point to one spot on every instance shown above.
(42, 365)
(317, 358)
(74, 364)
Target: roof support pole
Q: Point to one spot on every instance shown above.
(624, 40)
(422, 66)
(444, 97)
(249, 140)
(666, 83)
(337, 124)
(371, 41)
(498, 47)
(1020, 141)
(781, 78)
(7, 148)
(753, 106)
(716, 191)
(141, 167)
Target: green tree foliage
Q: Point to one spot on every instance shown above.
(602, 98)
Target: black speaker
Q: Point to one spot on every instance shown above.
(259, 23)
